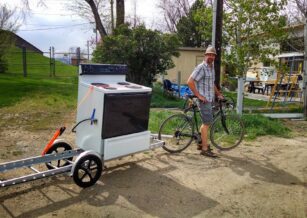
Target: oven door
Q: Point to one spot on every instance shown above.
(125, 113)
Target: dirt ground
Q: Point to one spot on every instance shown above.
(263, 178)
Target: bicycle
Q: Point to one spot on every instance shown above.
(179, 130)
(229, 104)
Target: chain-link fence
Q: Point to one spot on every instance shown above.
(26, 62)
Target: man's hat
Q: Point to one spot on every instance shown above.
(210, 50)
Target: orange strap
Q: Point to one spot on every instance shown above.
(55, 136)
(91, 88)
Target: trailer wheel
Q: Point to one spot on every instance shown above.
(87, 170)
(56, 148)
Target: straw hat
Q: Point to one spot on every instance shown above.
(210, 50)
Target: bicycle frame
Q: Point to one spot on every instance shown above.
(220, 112)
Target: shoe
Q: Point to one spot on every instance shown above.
(200, 147)
(208, 153)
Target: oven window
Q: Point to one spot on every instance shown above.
(125, 113)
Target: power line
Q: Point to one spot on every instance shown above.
(52, 28)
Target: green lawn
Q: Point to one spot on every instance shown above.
(37, 65)
(46, 99)
(51, 90)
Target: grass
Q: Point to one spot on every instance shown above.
(37, 65)
(260, 106)
(162, 100)
(255, 125)
(38, 100)
(258, 125)
(35, 103)
(14, 89)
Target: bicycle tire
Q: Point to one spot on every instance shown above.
(218, 132)
(177, 132)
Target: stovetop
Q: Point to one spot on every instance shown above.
(117, 86)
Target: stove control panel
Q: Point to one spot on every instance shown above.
(103, 69)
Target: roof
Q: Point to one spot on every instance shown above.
(20, 42)
(201, 49)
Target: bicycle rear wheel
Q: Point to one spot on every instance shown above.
(176, 132)
(227, 132)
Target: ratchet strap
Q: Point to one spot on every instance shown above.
(55, 136)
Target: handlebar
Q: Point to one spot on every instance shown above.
(194, 96)
(193, 105)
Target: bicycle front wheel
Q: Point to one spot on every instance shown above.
(227, 132)
(176, 132)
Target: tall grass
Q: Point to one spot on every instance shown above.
(258, 125)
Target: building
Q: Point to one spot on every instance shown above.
(188, 58)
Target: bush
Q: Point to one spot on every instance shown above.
(145, 52)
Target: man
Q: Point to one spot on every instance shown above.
(201, 82)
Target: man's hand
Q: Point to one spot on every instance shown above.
(220, 97)
(202, 99)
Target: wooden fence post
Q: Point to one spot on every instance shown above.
(24, 61)
(53, 62)
(78, 56)
(50, 62)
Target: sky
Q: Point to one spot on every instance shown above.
(55, 26)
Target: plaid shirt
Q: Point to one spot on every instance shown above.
(204, 77)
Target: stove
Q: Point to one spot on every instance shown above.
(113, 113)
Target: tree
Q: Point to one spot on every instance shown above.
(100, 12)
(251, 29)
(173, 11)
(145, 52)
(94, 11)
(91, 11)
(194, 29)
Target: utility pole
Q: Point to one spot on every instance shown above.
(88, 50)
(305, 70)
(217, 27)
(112, 15)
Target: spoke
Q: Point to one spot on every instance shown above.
(89, 165)
(83, 176)
(90, 175)
(94, 168)
(87, 171)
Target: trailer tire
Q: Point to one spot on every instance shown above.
(59, 147)
(87, 170)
